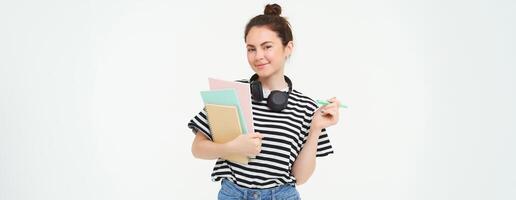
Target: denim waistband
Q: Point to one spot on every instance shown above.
(230, 189)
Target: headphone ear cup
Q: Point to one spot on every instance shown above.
(277, 100)
(256, 91)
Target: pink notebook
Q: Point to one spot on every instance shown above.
(244, 96)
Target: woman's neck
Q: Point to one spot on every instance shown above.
(274, 82)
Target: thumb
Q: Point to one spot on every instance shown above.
(256, 135)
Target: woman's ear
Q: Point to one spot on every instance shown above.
(289, 48)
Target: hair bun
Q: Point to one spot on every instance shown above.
(272, 9)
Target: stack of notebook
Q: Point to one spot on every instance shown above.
(228, 106)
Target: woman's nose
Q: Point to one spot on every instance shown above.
(258, 55)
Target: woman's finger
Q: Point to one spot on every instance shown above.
(256, 142)
(334, 101)
(255, 135)
(331, 112)
(331, 106)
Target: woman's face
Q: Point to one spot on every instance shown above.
(265, 52)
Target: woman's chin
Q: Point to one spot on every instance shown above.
(261, 73)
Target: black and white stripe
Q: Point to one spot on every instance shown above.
(284, 135)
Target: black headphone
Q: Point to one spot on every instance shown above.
(277, 99)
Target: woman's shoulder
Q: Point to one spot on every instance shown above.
(303, 99)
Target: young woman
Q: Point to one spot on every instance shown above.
(290, 128)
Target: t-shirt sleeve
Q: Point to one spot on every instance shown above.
(324, 147)
(200, 123)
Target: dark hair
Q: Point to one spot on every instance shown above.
(271, 18)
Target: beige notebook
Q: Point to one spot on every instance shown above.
(225, 126)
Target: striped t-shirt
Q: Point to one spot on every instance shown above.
(284, 134)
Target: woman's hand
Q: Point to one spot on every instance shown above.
(247, 144)
(327, 115)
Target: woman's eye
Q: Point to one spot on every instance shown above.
(268, 47)
(250, 50)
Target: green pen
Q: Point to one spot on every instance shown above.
(325, 102)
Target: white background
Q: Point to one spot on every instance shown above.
(96, 95)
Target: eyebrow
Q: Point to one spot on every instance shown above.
(263, 43)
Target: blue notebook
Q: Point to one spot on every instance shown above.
(227, 97)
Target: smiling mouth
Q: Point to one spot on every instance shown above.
(262, 65)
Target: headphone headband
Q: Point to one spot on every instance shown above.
(289, 82)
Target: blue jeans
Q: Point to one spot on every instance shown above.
(230, 190)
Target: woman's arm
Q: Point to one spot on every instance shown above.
(304, 165)
(245, 144)
(204, 148)
(324, 117)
